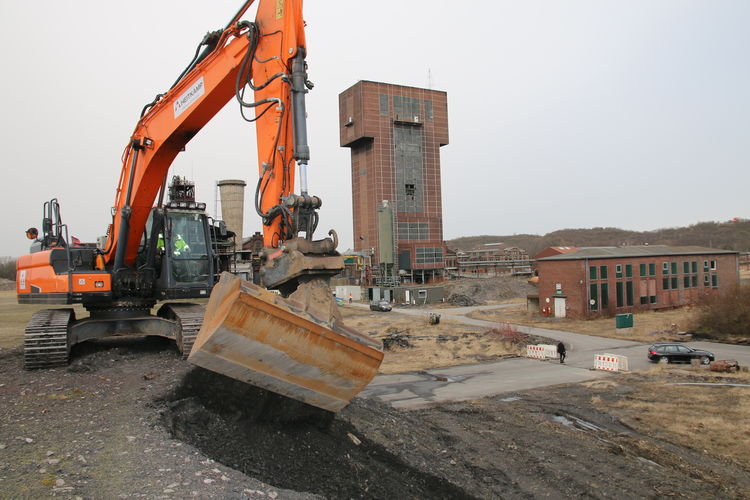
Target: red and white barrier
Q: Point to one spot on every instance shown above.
(611, 362)
(535, 351)
(541, 351)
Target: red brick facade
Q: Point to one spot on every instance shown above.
(622, 284)
(395, 134)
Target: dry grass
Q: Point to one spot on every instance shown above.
(432, 346)
(648, 326)
(14, 316)
(713, 419)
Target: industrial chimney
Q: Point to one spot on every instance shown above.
(232, 195)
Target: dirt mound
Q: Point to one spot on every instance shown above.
(459, 299)
(6, 284)
(482, 290)
(291, 444)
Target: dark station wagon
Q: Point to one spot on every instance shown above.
(675, 353)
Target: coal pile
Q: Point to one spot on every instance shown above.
(290, 444)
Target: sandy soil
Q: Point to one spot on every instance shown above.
(412, 344)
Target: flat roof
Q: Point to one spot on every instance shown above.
(635, 251)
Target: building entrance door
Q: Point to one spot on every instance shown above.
(559, 307)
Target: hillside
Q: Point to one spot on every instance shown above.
(720, 235)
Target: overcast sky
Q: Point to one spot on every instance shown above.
(562, 114)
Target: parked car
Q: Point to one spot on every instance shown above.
(672, 353)
(380, 305)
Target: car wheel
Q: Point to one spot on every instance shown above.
(663, 360)
(705, 360)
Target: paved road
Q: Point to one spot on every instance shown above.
(459, 383)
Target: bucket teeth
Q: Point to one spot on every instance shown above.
(295, 346)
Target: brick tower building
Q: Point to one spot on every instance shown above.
(395, 134)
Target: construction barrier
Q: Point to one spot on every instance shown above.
(611, 362)
(541, 351)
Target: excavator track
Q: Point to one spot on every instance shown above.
(190, 318)
(45, 343)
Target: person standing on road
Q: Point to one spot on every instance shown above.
(561, 351)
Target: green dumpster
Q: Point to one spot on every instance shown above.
(624, 320)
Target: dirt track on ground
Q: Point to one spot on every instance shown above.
(132, 420)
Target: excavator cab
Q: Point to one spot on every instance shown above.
(183, 257)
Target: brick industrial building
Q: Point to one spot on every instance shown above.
(395, 134)
(603, 281)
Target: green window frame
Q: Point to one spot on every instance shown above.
(665, 283)
(629, 293)
(652, 299)
(628, 270)
(674, 267)
(604, 272)
(686, 267)
(592, 273)
(605, 296)
(620, 294)
(674, 283)
(642, 269)
(686, 282)
(665, 267)
(618, 270)
(652, 269)
(694, 281)
(715, 280)
(694, 266)
(594, 290)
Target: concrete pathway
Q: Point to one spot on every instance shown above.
(464, 382)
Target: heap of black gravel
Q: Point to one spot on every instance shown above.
(290, 444)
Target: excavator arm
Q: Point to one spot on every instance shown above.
(262, 56)
(294, 344)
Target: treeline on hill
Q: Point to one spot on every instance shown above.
(718, 235)
(8, 268)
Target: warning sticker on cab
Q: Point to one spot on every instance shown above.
(189, 97)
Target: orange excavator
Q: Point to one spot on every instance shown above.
(287, 336)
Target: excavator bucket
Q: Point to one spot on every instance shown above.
(285, 345)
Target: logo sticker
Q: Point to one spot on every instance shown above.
(189, 97)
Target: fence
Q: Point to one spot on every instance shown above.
(541, 351)
(611, 362)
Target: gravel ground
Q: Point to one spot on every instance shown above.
(130, 419)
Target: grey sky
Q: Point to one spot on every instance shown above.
(562, 113)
